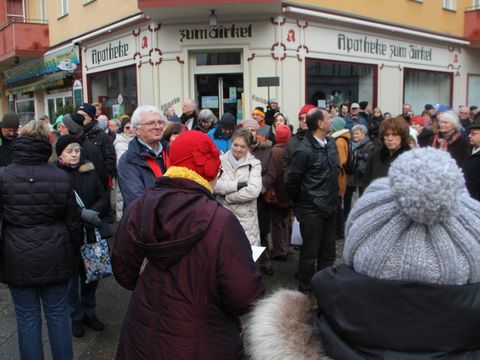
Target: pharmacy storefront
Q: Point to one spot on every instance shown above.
(110, 74)
(314, 61)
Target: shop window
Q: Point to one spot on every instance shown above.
(58, 101)
(331, 82)
(115, 90)
(218, 58)
(473, 90)
(426, 87)
(25, 107)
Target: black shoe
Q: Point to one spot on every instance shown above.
(93, 323)
(77, 328)
(268, 270)
(280, 257)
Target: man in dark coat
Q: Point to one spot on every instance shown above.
(471, 164)
(146, 157)
(9, 131)
(199, 274)
(189, 114)
(312, 185)
(97, 146)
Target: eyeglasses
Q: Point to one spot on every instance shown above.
(153, 123)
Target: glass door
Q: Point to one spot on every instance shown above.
(220, 93)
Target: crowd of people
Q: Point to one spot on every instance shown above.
(192, 194)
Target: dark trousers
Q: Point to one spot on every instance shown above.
(318, 247)
(280, 231)
(347, 199)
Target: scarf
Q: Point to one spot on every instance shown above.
(442, 141)
(234, 162)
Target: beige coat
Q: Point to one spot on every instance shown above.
(243, 202)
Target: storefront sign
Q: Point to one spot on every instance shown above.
(376, 46)
(42, 66)
(165, 106)
(220, 32)
(112, 52)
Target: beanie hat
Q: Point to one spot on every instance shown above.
(73, 126)
(89, 109)
(282, 134)
(250, 123)
(441, 107)
(363, 105)
(227, 121)
(418, 119)
(64, 141)
(259, 111)
(429, 107)
(10, 120)
(418, 224)
(196, 151)
(338, 123)
(305, 109)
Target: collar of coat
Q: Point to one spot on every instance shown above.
(186, 173)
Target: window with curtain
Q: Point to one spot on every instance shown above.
(331, 82)
(14, 10)
(473, 90)
(63, 7)
(450, 4)
(426, 87)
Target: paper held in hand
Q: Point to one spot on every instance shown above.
(257, 251)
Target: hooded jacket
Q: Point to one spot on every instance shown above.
(199, 278)
(42, 234)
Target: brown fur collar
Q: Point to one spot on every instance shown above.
(86, 167)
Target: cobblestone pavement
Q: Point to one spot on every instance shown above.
(112, 301)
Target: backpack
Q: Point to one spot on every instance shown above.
(351, 163)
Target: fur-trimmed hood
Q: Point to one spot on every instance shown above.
(281, 327)
(86, 167)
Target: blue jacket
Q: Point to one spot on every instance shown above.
(223, 145)
(134, 174)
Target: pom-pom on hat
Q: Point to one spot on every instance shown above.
(418, 120)
(64, 141)
(196, 151)
(282, 134)
(305, 109)
(418, 224)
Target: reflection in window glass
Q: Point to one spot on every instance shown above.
(336, 82)
(473, 90)
(26, 110)
(106, 88)
(425, 87)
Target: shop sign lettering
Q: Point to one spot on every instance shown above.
(220, 32)
(110, 52)
(165, 106)
(376, 46)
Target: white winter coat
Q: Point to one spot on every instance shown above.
(121, 145)
(243, 202)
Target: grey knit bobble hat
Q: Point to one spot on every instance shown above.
(418, 224)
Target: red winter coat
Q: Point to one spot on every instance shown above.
(200, 276)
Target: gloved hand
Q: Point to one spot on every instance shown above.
(91, 217)
(241, 185)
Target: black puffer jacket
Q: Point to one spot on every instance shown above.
(291, 147)
(87, 185)
(42, 233)
(97, 147)
(312, 178)
(362, 153)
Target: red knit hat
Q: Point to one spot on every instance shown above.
(305, 109)
(196, 151)
(418, 119)
(282, 134)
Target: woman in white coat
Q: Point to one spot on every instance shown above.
(121, 145)
(239, 186)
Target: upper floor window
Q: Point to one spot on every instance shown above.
(63, 7)
(43, 10)
(476, 4)
(15, 10)
(450, 4)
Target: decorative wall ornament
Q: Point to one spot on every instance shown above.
(279, 51)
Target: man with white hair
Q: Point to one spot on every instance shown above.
(146, 158)
(189, 114)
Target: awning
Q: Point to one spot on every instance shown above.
(51, 80)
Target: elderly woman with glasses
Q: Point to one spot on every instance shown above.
(449, 137)
(146, 157)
